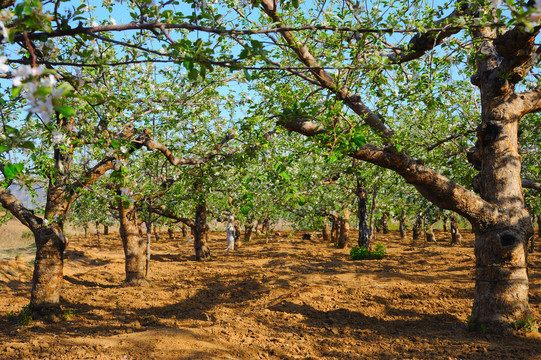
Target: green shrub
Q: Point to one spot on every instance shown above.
(364, 253)
(23, 317)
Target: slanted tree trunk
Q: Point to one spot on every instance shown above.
(402, 226)
(364, 230)
(325, 232)
(456, 237)
(135, 247)
(202, 252)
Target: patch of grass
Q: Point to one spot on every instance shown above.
(23, 317)
(364, 253)
(27, 235)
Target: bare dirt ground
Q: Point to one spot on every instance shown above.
(288, 299)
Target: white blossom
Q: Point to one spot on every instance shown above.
(3, 66)
(58, 138)
(5, 34)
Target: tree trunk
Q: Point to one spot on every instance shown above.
(237, 233)
(364, 230)
(444, 223)
(402, 226)
(171, 234)
(202, 252)
(248, 231)
(417, 228)
(385, 222)
(86, 231)
(105, 230)
(135, 247)
(48, 270)
(430, 236)
(230, 232)
(184, 230)
(343, 235)
(456, 237)
(335, 228)
(501, 285)
(373, 210)
(325, 232)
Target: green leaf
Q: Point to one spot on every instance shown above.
(16, 91)
(13, 170)
(284, 176)
(66, 111)
(28, 145)
(115, 144)
(359, 141)
(245, 209)
(4, 148)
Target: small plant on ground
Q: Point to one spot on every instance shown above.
(529, 324)
(364, 253)
(23, 317)
(67, 314)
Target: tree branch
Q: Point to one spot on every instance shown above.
(162, 210)
(530, 184)
(374, 120)
(17, 209)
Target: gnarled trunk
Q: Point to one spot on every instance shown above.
(135, 247)
(202, 252)
(48, 270)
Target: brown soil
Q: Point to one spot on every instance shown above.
(288, 299)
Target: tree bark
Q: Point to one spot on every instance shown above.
(202, 252)
(171, 234)
(105, 230)
(417, 228)
(402, 226)
(364, 230)
(456, 237)
(48, 270)
(373, 210)
(135, 247)
(343, 233)
(248, 231)
(325, 232)
(335, 228)
(385, 222)
(237, 233)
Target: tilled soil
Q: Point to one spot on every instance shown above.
(285, 299)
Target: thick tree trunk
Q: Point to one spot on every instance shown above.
(135, 247)
(429, 235)
(105, 230)
(202, 252)
(171, 234)
(364, 230)
(48, 271)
